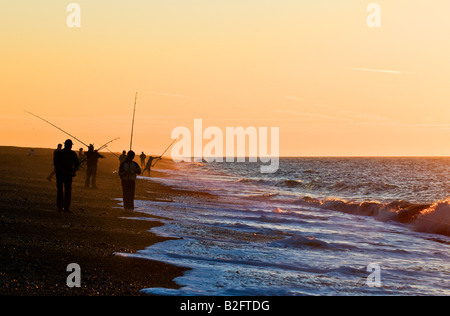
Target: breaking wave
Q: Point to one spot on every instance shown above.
(435, 218)
(430, 218)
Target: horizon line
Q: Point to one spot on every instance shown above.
(281, 156)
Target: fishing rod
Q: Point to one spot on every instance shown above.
(132, 123)
(101, 147)
(112, 152)
(168, 147)
(57, 128)
(160, 157)
(106, 144)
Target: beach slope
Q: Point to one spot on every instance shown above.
(38, 243)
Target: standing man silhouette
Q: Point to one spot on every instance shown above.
(122, 157)
(49, 178)
(150, 164)
(128, 171)
(92, 157)
(142, 156)
(66, 164)
(81, 158)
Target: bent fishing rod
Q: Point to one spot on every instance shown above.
(104, 146)
(101, 147)
(112, 152)
(160, 157)
(132, 123)
(168, 147)
(57, 128)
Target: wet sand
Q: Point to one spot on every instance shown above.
(37, 243)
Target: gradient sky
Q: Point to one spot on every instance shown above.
(334, 86)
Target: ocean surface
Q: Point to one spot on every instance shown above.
(319, 226)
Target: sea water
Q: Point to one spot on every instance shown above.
(313, 228)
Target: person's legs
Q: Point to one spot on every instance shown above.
(125, 194)
(59, 193)
(88, 178)
(67, 193)
(94, 177)
(128, 188)
(132, 190)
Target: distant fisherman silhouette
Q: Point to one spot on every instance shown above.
(50, 177)
(92, 157)
(150, 164)
(123, 157)
(66, 164)
(81, 154)
(128, 171)
(81, 158)
(142, 156)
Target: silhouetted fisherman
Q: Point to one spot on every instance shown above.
(149, 165)
(50, 177)
(66, 165)
(81, 158)
(128, 171)
(123, 157)
(142, 156)
(92, 157)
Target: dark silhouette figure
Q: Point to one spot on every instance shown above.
(128, 171)
(142, 156)
(66, 164)
(123, 157)
(150, 164)
(81, 158)
(92, 157)
(50, 177)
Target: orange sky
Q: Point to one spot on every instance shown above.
(334, 86)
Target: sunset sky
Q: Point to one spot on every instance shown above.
(334, 86)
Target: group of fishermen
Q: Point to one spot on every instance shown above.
(66, 163)
(145, 166)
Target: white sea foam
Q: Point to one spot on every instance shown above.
(257, 240)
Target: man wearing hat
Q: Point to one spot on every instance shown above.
(92, 157)
(66, 164)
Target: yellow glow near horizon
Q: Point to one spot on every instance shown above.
(334, 86)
